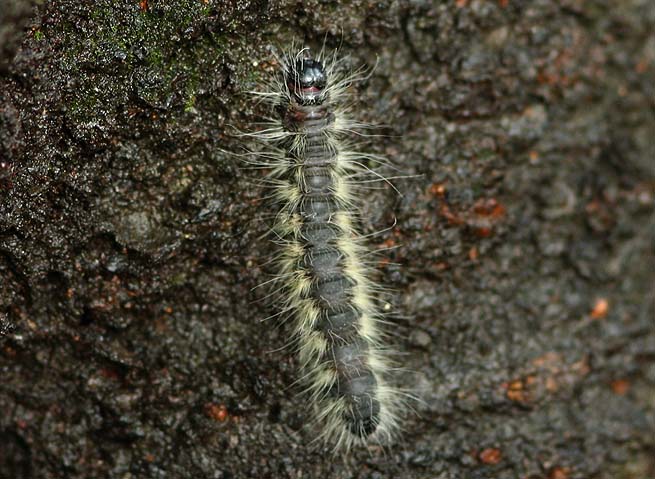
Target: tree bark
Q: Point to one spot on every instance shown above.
(519, 256)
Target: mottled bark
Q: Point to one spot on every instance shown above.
(131, 341)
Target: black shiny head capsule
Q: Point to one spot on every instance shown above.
(306, 81)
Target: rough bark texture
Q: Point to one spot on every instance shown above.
(131, 341)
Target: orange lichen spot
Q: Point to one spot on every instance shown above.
(438, 189)
(581, 368)
(523, 390)
(642, 66)
(489, 208)
(600, 309)
(442, 266)
(559, 473)
(452, 218)
(515, 385)
(620, 386)
(516, 395)
(592, 206)
(550, 375)
(515, 391)
(168, 310)
(483, 232)
(486, 212)
(218, 412)
(149, 457)
(473, 254)
(551, 384)
(490, 455)
(545, 78)
(481, 217)
(389, 243)
(534, 156)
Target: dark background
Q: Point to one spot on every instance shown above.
(521, 266)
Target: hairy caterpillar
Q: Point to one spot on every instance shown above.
(326, 284)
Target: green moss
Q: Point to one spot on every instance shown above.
(129, 39)
(89, 104)
(155, 57)
(191, 101)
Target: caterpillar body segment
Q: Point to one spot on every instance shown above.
(327, 286)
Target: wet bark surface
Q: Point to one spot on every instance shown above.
(519, 256)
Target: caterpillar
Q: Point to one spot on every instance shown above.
(327, 287)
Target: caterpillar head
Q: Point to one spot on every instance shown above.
(306, 80)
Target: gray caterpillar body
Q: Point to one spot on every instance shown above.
(327, 286)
